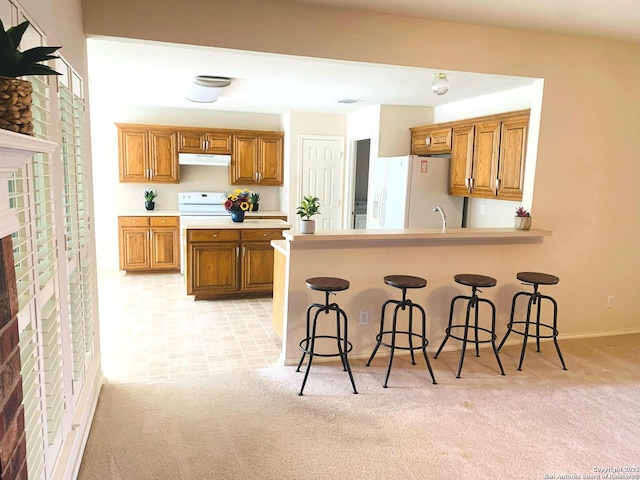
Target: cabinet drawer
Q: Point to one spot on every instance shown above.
(164, 221)
(213, 235)
(265, 235)
(133, 221)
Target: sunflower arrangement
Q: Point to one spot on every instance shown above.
(238, 200)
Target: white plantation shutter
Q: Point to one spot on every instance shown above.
(54, 254)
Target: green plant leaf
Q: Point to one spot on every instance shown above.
(36, 69)
(38, 54)
(15, 33)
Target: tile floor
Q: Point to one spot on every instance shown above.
(151, 330)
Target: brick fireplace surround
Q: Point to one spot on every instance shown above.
(13, 444)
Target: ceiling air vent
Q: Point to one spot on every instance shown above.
(349, 100)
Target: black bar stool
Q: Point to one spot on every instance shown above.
(473, 302)
(329, 285)
(403, 282)
(534, 279)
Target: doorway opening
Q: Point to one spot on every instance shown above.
(359, 208)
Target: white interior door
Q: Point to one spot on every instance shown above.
(322, 171)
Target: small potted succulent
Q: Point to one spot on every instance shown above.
(15, 93)
(254, 198)
(522, 219)
(149, 197)
(309, 206)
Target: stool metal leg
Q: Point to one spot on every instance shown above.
(513, 311)
(379, 336)
(345, 360)
(464, 338)
(526, 332)
(394, 323)
(493, 333)
(424, 341)
(448, 329)
(555, 329)
(311, 350)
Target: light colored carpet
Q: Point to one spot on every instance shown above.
(253, 425)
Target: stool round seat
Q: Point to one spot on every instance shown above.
(473, 280)
(327, 284)
(405, 281)
(537, 278)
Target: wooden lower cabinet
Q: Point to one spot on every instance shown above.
(227, 262)
(149, 243)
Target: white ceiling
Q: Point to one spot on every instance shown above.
(139, 73)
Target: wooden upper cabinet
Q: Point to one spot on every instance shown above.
(428, 140)
(133, 153)
(513, 145)
(244, 160)
(147, 155)
(196, 141)
(461, 160)
(488, 156)
(271, 163)
(486, 149)
(163, 158)
(257, 159)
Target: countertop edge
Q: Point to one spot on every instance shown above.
(413, 234)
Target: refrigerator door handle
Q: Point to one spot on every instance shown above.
(381, 207)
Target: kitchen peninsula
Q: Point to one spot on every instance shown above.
(364, 257)
(224, 258)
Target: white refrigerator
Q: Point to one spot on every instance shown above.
(403, 191)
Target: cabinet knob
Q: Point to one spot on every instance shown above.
(215, 235)
(427, 140)
(264, 234)
(135, 221)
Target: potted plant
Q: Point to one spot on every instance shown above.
(254, 198)
(522, 219)
(309, 206)
(237, 203)
(149, 197)
(15, 93)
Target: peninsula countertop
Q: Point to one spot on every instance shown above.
(413, 234)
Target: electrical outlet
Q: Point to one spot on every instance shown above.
(610, 301)
(483, 209)
(364, 317)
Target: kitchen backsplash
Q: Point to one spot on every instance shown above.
(192, 179)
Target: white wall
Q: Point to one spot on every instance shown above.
(483, 212)
(395, 122)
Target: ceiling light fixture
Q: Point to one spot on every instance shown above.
(207, 89)
(440, 84)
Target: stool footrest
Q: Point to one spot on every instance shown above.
(471, 339)
(403, 334)
(533, 324)
(307, 341)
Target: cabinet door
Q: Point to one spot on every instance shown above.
(163, 157)
(257, 267)
(219, 143)
(513, 145)
(165, 248)
(425, 141)
(190, 142)
(486, 151)
(212, 268)
(461, 160)
(244, 160)
(271, 162)
(134, 248)
(133, 151)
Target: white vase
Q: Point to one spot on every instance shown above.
(307, 226)
(522, 223)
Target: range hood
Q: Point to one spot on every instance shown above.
(204, 159)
